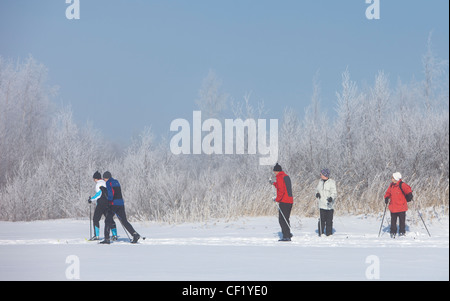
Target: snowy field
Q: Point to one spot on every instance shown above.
(246, 249)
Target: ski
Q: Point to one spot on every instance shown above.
(112, 240)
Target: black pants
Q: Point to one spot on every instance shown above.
(120, 212)
(101, 208)
(326, 222)
(402, 217)
(285, 209)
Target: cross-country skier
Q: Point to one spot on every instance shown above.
(284, 199)
(399, 193)
(326, 193)
(102, 206)
(118, 208)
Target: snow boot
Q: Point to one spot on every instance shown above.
(285, 239)
(96, 234)
(135, 238)
(105, 242)
(114, 234)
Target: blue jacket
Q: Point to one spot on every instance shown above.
(114, 192)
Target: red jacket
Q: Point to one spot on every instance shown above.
(398, 200)
(284, 188)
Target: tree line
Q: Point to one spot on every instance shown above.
(47, 160)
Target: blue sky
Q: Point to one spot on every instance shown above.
(127, 65)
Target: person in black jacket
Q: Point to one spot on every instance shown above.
(117, 207)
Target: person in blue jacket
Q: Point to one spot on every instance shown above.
(117, 207)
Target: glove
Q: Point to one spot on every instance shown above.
(386, 201)
(409, 197)
(89, 200)
(274, 198)
(318, 195)
(329, 200)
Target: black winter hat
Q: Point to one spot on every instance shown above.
(277, 168)
(97, 175)
(107, 175)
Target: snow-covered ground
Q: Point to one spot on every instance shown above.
(242, 249)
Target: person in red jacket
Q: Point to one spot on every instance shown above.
(397, 196)
(284, 199)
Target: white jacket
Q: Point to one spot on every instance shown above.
(98, 192)
(326, 189)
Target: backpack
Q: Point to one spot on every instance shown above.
(408, 196)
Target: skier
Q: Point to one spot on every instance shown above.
(326, 193)
(399, 193)
(102, 206)
(117, 208)
(284, 199)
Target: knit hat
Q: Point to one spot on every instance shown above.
(107, 175)
(325, 172)
(97, 175)
(397, 176)
(277, 167)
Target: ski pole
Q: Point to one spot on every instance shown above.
(320, 221)
(385, 207)
(420, 215)
(424, 223)
(90, 218)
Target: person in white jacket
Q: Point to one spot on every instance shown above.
(326, 193)
(102, 206)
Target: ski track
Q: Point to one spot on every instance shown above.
(301, 238)
(360, 241)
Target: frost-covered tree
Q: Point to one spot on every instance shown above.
(349, 110)
(376, 131)
(435, 84)
(211, 100)
(24, 112)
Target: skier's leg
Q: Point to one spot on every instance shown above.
(393, 223)
(321, 224)
(120, 212)
(402, 222)
(329, 222)
(113, 224)
(287, 214)
(96, 219)
(108, 222)
(283, 218)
